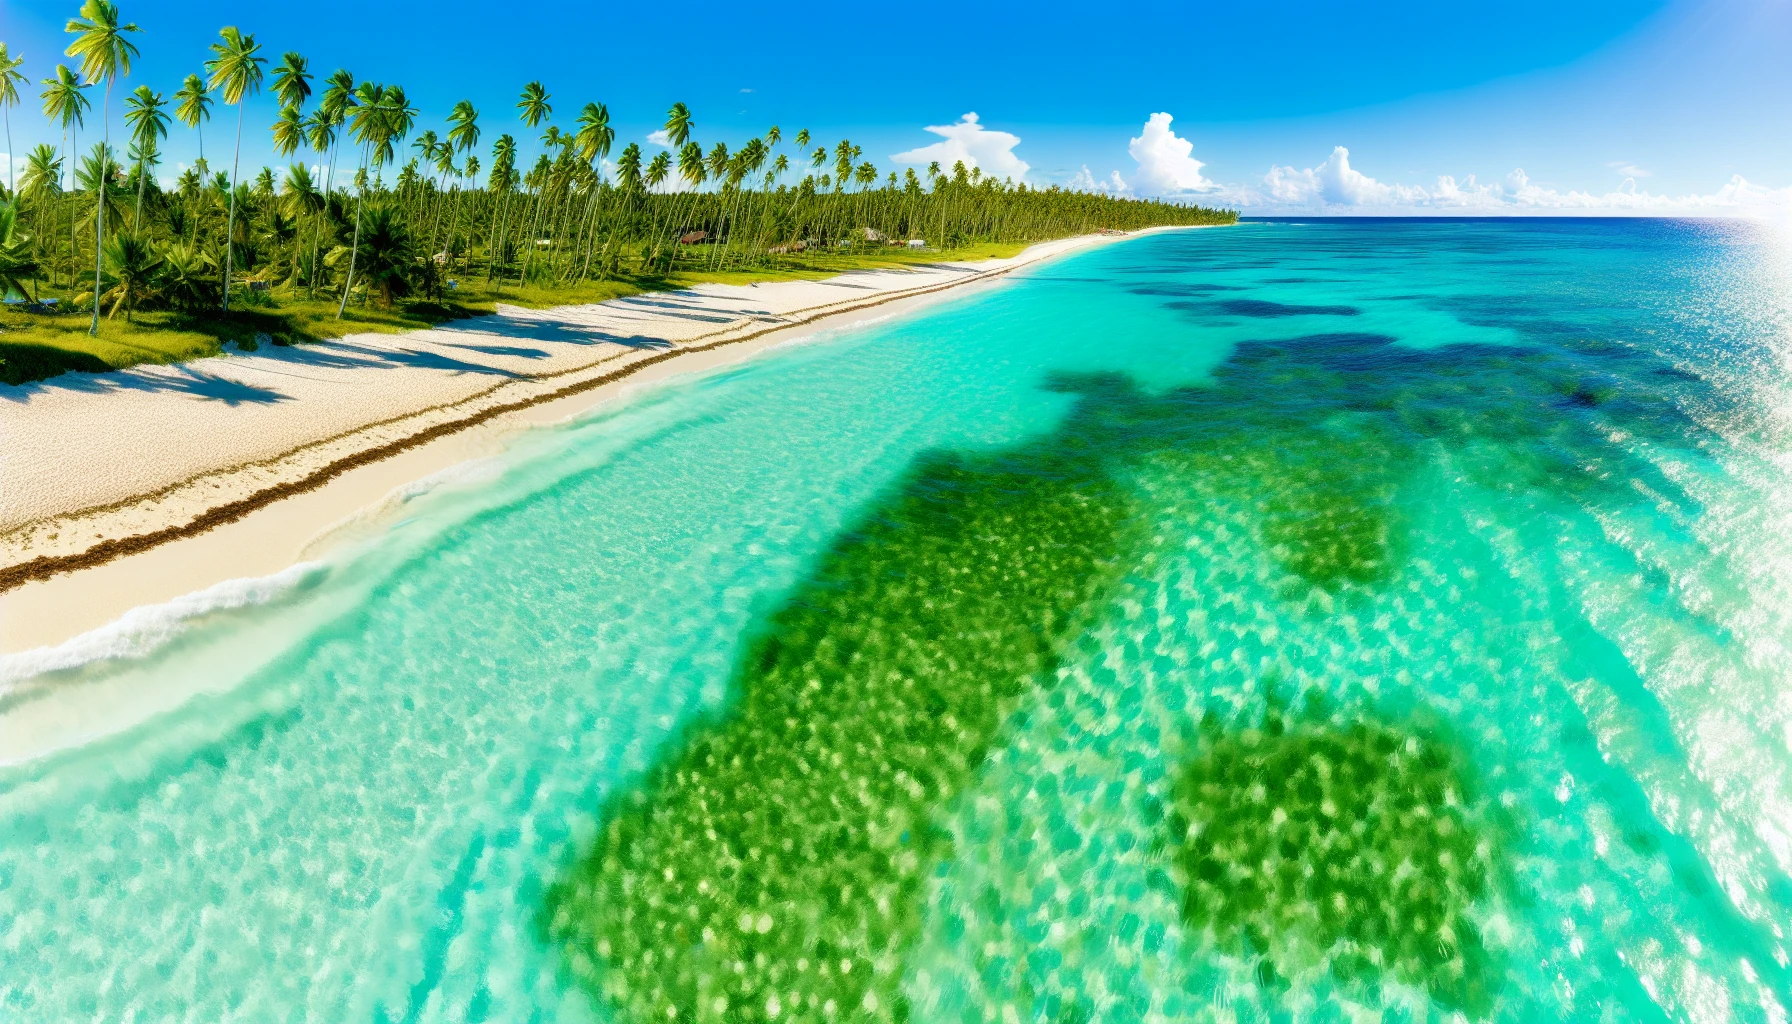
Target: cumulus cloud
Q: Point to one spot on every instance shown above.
(1335, 183)
(1166, 162)
(972, 143)
(658, 137)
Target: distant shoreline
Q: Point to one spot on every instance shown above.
(62, 575)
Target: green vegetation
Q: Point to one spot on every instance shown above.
(787, 839)
(184, 321)
(774, 866)
(392, 221)
(1356, 847)
(1329, 521)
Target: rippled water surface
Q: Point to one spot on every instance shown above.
(1297, 621)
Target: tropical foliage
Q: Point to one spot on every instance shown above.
(406, 209)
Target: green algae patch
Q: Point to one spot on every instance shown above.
(773, 864)
(773, 867)
(1357, 847)
(1332, 521)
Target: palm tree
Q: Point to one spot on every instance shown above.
(658, 169)
(425, 145)
(324, 131)
(149, 125)
(64, 102)
(628, 168)
(532, 107)
(97, 172)
(338, 100)
(43, 181)
(678, 126)
(463, 134)
(105, 53)
(10, 80)
(43, 170)
(302, 201)
(194, 105)
(382, 117)
(692, 171)
(236, 70)
(594, 138)
(292, 83)
(320, 131)
(18, 263)
(500, 182)
(133, 263)
(187, 281)
(391, 253)
(445, 167)
(289, 131)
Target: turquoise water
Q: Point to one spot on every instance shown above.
(1125, 591)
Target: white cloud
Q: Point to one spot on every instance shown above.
(976, 145)
(1335, 186)
(1628, 169)
(745, 91)
(1166, 163)
(658, 137)
(1084, 181)
(1335, 183)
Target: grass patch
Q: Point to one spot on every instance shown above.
(37, 346)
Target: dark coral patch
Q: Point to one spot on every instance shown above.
(1269, 310)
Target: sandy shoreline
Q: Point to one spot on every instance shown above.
(103, 514)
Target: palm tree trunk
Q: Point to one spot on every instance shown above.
(99, 194)
(137, 217)
(590, 228)
(74, 235)
(230, 221)
(453, 219)
(435, 232)
(500, 233)
(354, 250)
(317, 230)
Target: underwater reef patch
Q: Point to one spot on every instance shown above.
(772, 864)
(772, 867)
(1356, 847)
(1261, 309)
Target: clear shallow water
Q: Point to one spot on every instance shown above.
(1035, 656)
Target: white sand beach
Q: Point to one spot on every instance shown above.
(135, 487)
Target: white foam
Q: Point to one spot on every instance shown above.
(142, 630)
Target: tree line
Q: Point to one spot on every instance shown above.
(374, 207)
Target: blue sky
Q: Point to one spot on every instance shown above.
(1525, 106)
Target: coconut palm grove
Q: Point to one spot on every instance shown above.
(389, 216)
